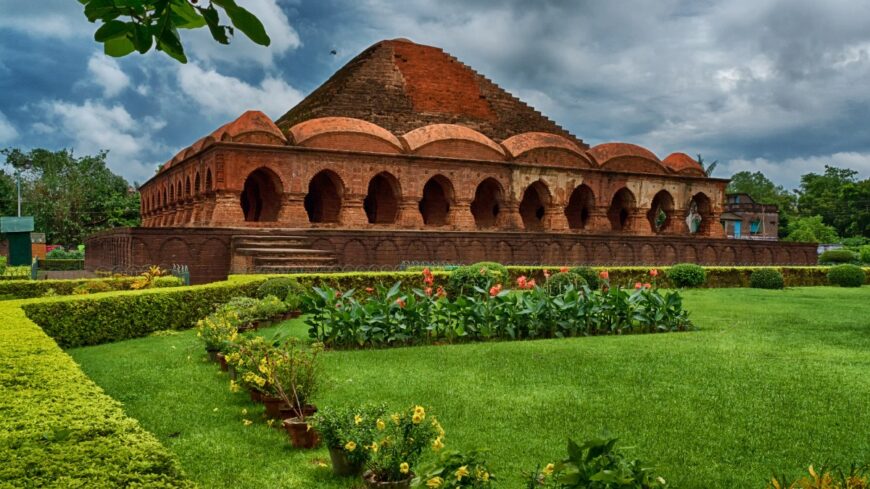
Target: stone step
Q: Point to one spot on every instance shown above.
(279, 251)
(294, 269)
(293, 262)
(275, 243)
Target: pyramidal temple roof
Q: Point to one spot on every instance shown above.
(402, 86)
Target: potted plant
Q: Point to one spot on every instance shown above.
(294, 372)
(216, 330)
(453, 470)
(349, 434)
(399, 446)
(246, 359)
(293, 301)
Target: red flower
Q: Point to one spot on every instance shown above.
(426, 271)
(530, 284)
(428, 280)
(654, 272)
(563, 270)
(546, 274)
(494, 290)
(369, 290)
(428, 291)
(400, 302)
(647, 285)
(337, 294)
(440, 292)
(521, 281)
(638, 285)
(604, 275)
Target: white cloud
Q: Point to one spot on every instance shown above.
(108, 74)
(8, 133)
(93, 126)
(58, 19)
(200, 45)
(788, 172)
(226, 96)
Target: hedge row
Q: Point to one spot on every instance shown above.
(61, 264)
(58, 429)
(26, 289)
(114, 316)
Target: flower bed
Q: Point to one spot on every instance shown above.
(377, 317)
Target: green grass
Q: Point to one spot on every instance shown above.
(773, 381)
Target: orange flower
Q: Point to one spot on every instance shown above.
(494, 290)
(426, 271)
(441, 292)
(428, 291)
(400, 302)
(369, 290)
(337, 294)
(429, 280)
(604, 275)
(638, 285)
(647, 285)
(654, 272)
(530, 284)
(563, 270)
(521, 281)
(546, 274)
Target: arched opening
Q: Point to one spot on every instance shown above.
(621, 209)
(178, 194)
(660, 212)
(382, 201)
(487, 203)
(699, 215)
(435, 205)
(208, 180)
(323, 200)
(533, 207)
(261, 197)
(579, 207)
(171, 193)
(163, 202)
(187, 187)
(196, 184)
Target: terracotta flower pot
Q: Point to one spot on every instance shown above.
(302, 435)
(273, 406)
(372, 483)
(295, 314)
(222, 360)
(290, 412)
(256, 395)
(341, 466)
(212, 354)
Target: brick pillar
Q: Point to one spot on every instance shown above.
(638, 223)
(409, 214)
(598, 221)
(678, 222)
(187, 214)
(353, 215)
(292, 213)
(205, 218)
(715, 229)
(555, 219)
(509, 217)
(196, 214)
(461, 217)
(227, 211)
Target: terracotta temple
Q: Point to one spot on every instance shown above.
(408, 155)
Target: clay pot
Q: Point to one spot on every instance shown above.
(288, 412)
(373, 483)
(222, 361)
(256, 395)
(295, 314)
(341, 466)
(301, 434)
(231, 369)
(212, 354)
(273, 406)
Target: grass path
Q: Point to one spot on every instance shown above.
(773, 381)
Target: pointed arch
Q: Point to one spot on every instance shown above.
(196, 183)
(261, 196)
(381, 204)
(533, 206)
(661, 211)
(324, 197)
(488, 202)
(622, 209)
(579, 207)
(437, 200)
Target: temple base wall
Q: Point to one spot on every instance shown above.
(209, 254)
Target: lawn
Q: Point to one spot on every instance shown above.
(773, 381)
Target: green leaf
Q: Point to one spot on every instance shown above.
(247, 23)
(218, 32)
(118, 47)
(101, 9)
(185, 16)
(142, 38)
(170, 43)
(111, 30)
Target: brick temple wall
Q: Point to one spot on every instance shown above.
(208, 251)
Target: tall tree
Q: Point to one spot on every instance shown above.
(72, 197)
(138, 25)
(811, 230)
(838, 197)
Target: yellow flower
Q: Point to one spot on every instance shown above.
(437, 444)
(234, 387)
(481, 474)
(404, 467)
(374, 447)
(350, 446)
(244, 411)
(461, 472)
(434, 482)
(270, 422)
(417, 418)
(395, 418)
(438, 427)
(419, 410)
(549, 469)
(247, 422)
(380, 424)
(357, 419)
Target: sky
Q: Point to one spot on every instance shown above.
(780, 86)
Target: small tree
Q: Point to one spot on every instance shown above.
(811, 230)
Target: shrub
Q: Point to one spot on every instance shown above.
(857, 477)
(482, 275)
(838, 256)
(59, 429)
(589, 275)
(2, 265)
(340, 426)
(60, 265)
(687, 275)
(766, 278)
(279, 287)
(402, 443)
(444, 471)
(596, 464)
(847, 276)
(865, 254)
(167, 281)
(559, 282)
(92, 287)
(60, 253)
(79, 321)
(25, 289)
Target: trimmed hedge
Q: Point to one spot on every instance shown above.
(58, 429)
(847, 276)
(766, 278)
(26, 289)
(114, 316)
(61, 265)
(838, 256)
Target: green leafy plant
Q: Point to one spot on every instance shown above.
(168, 281)
(766, 278)
(481, 275)
(865, 254)
(138, 25)
(856, 477)
(596, 464)
(558, 282)
(218, 329)
(60, 253)
(588, 274)
(401, 443)
(453, 469)
(847, 276)
(279, 287)
(832, 257)
(687, 275)
(293, 372)
(351, 429)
